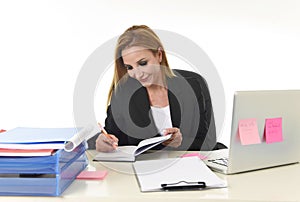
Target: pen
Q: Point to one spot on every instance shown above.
(105, 133)
(102, 130)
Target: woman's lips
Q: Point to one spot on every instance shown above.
(143, 80)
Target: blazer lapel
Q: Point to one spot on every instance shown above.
(174, 110)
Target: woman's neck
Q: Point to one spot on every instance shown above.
(158, 95)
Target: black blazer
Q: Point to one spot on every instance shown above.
(129, 116)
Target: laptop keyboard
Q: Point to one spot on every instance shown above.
(220, 161)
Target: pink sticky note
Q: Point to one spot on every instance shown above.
(194, 154)
(248, 132)
(273, 130)
(92, 175)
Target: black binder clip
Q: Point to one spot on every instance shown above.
(183, 185)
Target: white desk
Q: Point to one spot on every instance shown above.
(275, 184)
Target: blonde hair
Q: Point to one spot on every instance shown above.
(137, 35)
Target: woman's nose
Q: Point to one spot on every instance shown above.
(137, 72)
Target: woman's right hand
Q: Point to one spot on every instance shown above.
(105, 144)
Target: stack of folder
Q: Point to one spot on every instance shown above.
(40, 175)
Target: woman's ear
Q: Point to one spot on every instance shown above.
(160, 53)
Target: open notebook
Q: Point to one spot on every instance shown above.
(128, 153)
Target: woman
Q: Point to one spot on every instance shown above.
(147, 98)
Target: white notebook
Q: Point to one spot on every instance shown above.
(128, 153)
(184, 173)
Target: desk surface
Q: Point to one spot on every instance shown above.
(274, 184)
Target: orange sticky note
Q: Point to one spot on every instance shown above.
(92, 175)
(273, 130)
(248, 132)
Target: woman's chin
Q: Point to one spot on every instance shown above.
(146, 83)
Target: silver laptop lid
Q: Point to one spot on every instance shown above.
(263, 105)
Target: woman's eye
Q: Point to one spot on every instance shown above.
(143, 63)
(128, 67)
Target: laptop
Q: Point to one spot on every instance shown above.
(261, 105)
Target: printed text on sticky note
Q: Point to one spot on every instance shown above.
(273, 130)
(248, 131)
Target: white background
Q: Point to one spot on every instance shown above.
(254, 44)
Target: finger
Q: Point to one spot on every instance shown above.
(114, 141)
(172, 144)
(102, 146)
(169, 141)
(171, 130)
(166, 142)
(109, 139)
(173, 137)
(106, 147)
(175, 141)
(172, 141)
(114, 138)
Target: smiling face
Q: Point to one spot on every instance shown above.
(143, 65)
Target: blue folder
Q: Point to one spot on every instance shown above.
(41, 176)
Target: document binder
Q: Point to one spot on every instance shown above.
(41, 176)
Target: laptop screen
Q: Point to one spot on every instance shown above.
(265, 129)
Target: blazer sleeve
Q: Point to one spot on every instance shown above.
(112, 128)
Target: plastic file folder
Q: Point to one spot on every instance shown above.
(41, 176)
(40, 165)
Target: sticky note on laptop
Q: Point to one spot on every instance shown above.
(273, 130)
(248, 131)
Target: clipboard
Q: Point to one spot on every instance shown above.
(183, 185)
(175, 174)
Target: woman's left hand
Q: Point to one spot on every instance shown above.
(176, 138)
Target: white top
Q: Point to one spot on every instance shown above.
(162, 118)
